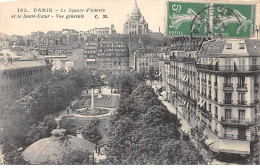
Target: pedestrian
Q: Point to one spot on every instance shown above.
(98, 150)
(68, 111)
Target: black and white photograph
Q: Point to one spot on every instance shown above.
(129, 82)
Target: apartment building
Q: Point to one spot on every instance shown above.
(147, 58)
(113, 57)
(90, 53)
(218, 91)
(14, 74)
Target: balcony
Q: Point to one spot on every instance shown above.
(209, 82)
(232, 136)
(207, 114)
(227, 101)
(256, 86)
(242, 88)
(228, 86)
(166, 61)
(235, 121)
(216, 132)
(241, 102)
(229, 68)
(215, 85)
(216, 116)
(216, 99)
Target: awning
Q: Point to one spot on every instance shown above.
(198, 62)
(159, 89)
(211, 138)
(187, 104)
(164, 94)
(184, 77)
(202, 103)
(173, 93)
(215, 61)
(210, 61)
(199, 102)
(231, 146)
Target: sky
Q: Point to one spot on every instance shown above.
(154, 12)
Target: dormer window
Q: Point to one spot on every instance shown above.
(229, 46)
(241, 45)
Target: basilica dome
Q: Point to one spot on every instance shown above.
(136, 11)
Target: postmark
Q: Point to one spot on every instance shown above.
(233, 20)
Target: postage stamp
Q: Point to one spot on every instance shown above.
(181, 15)
(233, 20)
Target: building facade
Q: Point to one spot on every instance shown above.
(113, 57)
(135, 23)
(90, 53)
(16, 74)
(147, 58)
(217, 90)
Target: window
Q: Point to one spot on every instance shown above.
(228, 97)
(227, 113)
(228, 46)
(241, 114)
(228, 64)
(241, 45)
(254, 61)
(241, 98)
(227, 79)
(241, 64)
(241, 81)
(216, 112)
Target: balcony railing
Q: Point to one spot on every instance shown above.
(231, 68)
(228, 86)
(256, 86)
(241, 102)
(232, 136)
(227, 101)
(216, 99)
(235, 121)
(241, 87)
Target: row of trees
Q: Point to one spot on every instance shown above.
(31, 116)
(144, 131)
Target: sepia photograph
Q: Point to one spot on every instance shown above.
(129, 82)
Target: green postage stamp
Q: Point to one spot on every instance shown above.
(233, 20)
(217, 19)
(183, 18)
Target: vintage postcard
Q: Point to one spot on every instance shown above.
(129, 82)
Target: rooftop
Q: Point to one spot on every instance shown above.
(53, 147)
(21, 64)
(250, 47)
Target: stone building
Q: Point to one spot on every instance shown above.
(14, 74)
(217, 90)
(113, 57)
(147, 58)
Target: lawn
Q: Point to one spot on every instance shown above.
(110, 101)
(72, 124)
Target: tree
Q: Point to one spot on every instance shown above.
(151, 73)
(92, 132)
(72, 157)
